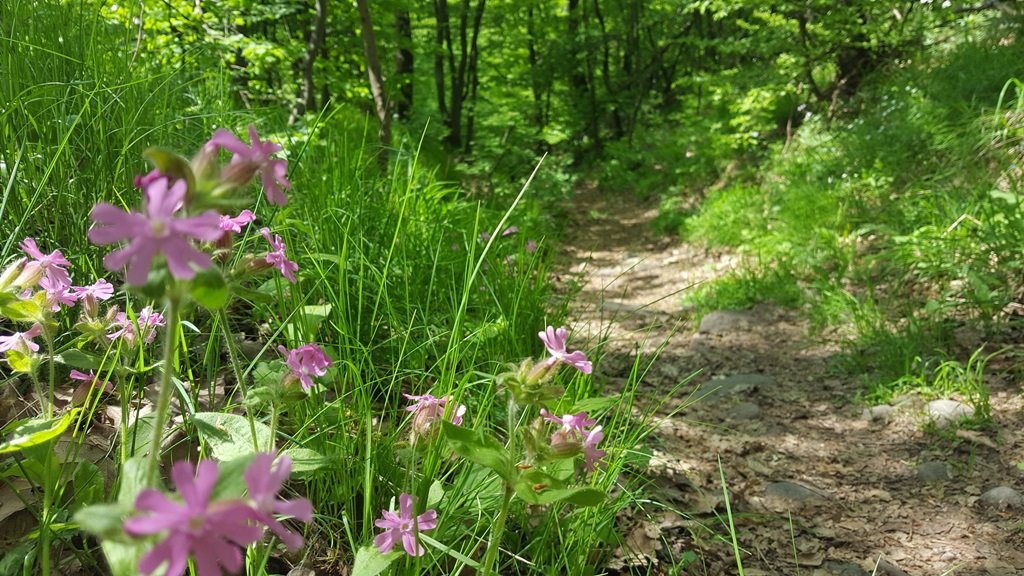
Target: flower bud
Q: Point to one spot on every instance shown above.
(8, 276)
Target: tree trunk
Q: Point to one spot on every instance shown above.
(473, 77)
(376, 81)
(307, 100)
(404, 64)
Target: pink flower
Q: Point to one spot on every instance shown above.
(509, 231)
(554, 341)
(277, 258)
(428, 409)
(229, 224)
(248, 160)
(214, 534)
(48, 265)
(90, 377)
(405, 527)
(22, 341)
(575, 424)
(148, 321)
(57, 294)
(531, 246)
(89, 382)
(265, 481)
(591, 454)
(145, 181)
(485, 236)
(155, 231)
(91, 295)
(305, 362)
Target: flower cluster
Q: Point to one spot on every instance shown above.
(173, 228)
(576, 433)
(214, 533)
(305, 363)
(428, 410)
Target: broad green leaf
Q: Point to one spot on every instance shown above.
(480, 448)
(78, 359)
(89, 484)
(123, 557)
(307, 321)
(536, 487)
(28, 310)
(172, 164)
(306, 460)
(231, 481)
(209, 289)
(252, 295)
(229, 436)
(19, 362)
(370, 562)
(105, 521)
(36, 432)
(596, 404)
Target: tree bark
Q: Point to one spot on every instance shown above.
(404, 64)
(376, 80)
(307, 101)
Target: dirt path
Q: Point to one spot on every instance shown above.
(818, 486)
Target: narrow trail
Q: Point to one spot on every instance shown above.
(819, 484)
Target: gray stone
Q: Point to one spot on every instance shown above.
(881, 412)
(791, 492)
(722, 322)
(945, 412)
(1003, 497)
(934, 472)
(745, 411)
(736, 384)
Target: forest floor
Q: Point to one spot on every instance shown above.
(819, 483)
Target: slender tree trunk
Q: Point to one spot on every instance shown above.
(443, 40)
(473, 77)
(404, 64)
(376, 80)
(535, 73)
(307, 100)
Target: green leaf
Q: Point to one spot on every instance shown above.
(252, 295)
(105, 521)
(597, 404)
(89, 484)
(36, 432)
(20, 362)
(306, 460)
(479, 448)
(231, 481)
(123, 557)
(307, 321)
(229, 436)
(172, 164)
(28, 310)
(78, 359)
(370, 562)
(209, 289)
(536, 487)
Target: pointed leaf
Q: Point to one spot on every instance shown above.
(480, 448)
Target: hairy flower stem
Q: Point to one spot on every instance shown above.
(53, 373)
(163, 405)
(498, 530)
(236, 367)
(44, 409)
